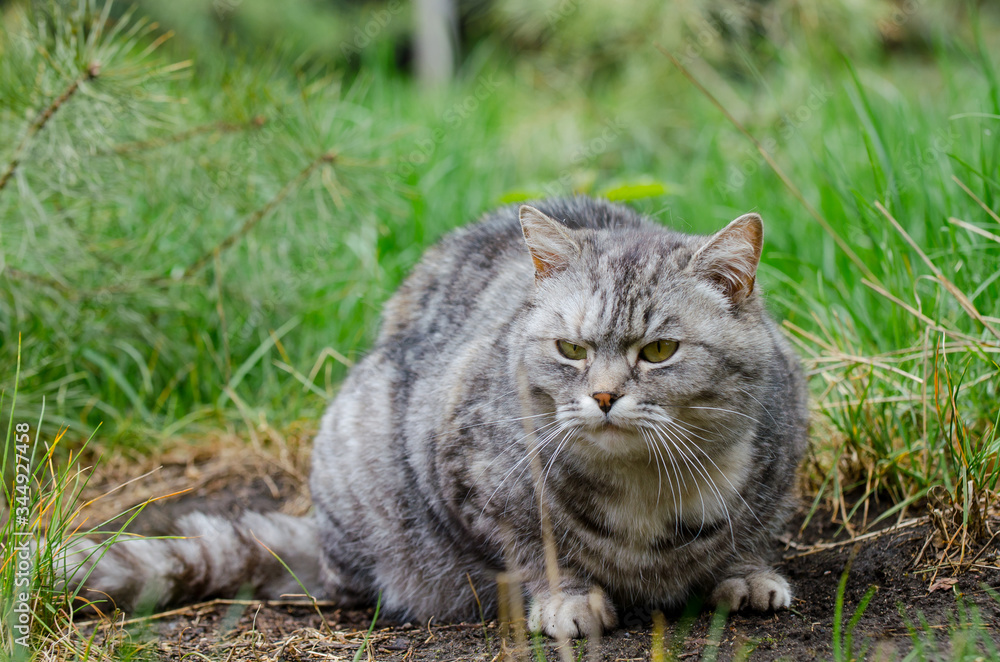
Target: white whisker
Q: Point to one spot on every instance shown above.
(485, 423)
(550, 464)
(525, 459)
(516, 441)
(674, 490)
(759, 403)
(659, 477)
(680, 475)
(725, 477)
(698, 466)
(722, 409)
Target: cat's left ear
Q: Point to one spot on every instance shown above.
(551, 246)
(730, 258)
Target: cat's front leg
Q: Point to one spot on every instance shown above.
(753, 586)
(577, 609)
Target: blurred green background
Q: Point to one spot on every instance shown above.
(201, 234)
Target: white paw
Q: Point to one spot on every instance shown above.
(759, 590)
(571, 616)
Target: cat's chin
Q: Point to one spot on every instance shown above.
(613, 440)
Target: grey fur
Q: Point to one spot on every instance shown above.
(205, 556)
(421, 471)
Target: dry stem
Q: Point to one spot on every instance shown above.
(960, 296)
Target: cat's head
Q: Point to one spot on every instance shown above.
(640, 337)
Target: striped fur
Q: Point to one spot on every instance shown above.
(421, 478)
(205, 556)
(421, 469)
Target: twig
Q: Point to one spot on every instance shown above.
(988, 545)
(548, 538)
(93, 70)
(852, 256)
(819, 547)
(118, 487)
(837, 355)
(155, 143)
(927, 542)
(305, 589)
(896, 632)
(209, 604)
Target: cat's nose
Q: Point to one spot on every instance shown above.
(604, 400)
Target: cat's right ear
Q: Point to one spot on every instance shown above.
(551, 246)
(730, 258)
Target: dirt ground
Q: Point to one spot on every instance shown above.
(901, 561)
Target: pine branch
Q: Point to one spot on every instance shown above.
(200, 263)
(155, 143)
(17, 274)
(257, 216)
(92, 72)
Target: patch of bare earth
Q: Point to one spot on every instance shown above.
(909, 563)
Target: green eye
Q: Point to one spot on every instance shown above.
(659, 351)
(571, 351)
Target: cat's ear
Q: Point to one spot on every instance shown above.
(730, 258)
(551, 246)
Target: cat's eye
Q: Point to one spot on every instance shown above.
(659, 351)
(571, 351)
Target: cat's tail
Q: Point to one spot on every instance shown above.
(210, 557)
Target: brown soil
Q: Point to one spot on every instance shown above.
(908, 590)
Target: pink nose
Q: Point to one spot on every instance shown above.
(604, 400)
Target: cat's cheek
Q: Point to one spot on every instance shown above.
(559, 381)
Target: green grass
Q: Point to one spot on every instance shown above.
(44, 511)
(967, 638)
(129, 320)
(843, 637)
(178, 255)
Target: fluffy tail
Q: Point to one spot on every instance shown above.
(212, 557)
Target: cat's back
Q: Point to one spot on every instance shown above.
(483, 271)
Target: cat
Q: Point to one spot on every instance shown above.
(568, 353)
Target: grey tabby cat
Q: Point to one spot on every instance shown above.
(635, 366)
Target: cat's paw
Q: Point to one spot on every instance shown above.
(571, 616)
(763, 591)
